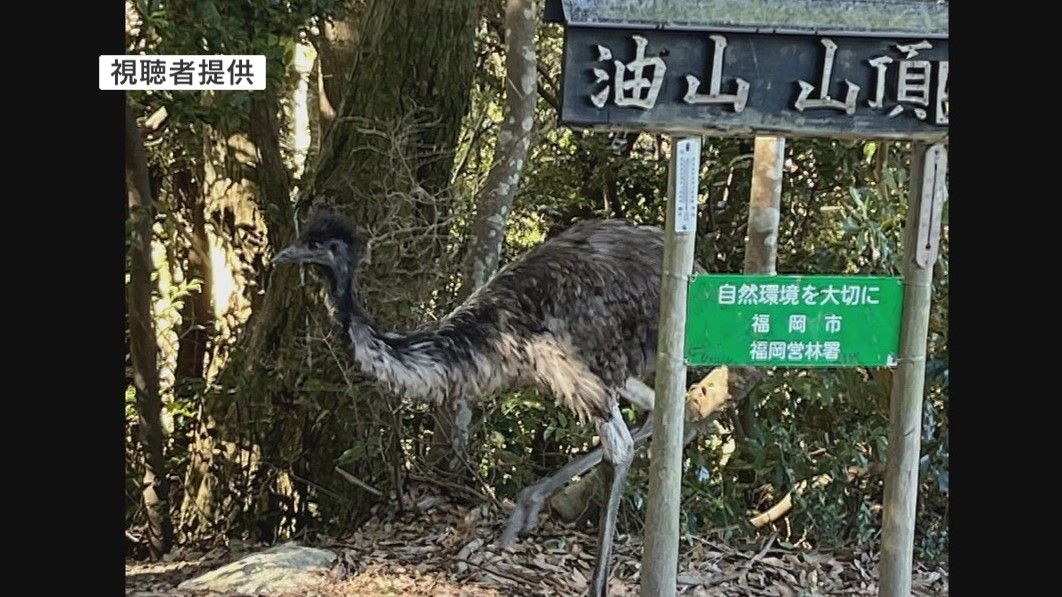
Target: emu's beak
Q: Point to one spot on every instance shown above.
(294, 253)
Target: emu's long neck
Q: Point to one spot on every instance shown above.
(422, 365)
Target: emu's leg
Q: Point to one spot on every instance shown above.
(618, 445)
(524, 519)
(529, 504)
(640, 395)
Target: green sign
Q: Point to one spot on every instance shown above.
(793, 321)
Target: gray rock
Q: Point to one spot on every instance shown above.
(277, 570)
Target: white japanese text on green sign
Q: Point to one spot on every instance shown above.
(794, 321)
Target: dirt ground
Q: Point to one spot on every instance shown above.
(445, 550)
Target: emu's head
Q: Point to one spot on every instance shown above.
(330, 241)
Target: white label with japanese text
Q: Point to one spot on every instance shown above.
(182, 72)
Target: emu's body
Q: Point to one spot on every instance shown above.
(576, 316)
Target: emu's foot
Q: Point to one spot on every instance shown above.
(524, 518)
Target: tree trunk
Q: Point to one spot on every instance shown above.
(143, 345)
(495, 200)
(197, 313)
(284, 410)
(337, 48)
(514, 137)
(274, 181)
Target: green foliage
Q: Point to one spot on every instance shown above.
(264, 27)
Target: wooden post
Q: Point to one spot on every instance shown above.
(761, 247)
(921, 238)
(660, 556)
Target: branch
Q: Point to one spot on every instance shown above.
(359, 482)
(549, 96)
(786, 503)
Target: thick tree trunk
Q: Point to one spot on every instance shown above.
(143, 345)
(487, 239)
(284, 412)
(411, 76)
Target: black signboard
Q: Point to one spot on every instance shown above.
(743, 83)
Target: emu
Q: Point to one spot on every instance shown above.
(575, 316)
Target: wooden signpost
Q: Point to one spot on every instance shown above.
(784, 68)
